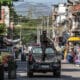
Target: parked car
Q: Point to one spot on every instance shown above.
(40, 60)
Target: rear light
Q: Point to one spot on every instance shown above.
(30, 57)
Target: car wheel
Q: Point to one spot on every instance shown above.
(30, 74)
(57, 74)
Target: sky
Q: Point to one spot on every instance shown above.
(43, 1)
(46, 1)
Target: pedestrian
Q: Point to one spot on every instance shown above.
(73, 55)
(76, 48)
(77, 57)
(70, 56)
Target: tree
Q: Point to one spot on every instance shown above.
(2, 28)
(6, 2)
(13, 15)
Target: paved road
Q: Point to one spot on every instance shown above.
(69, 72)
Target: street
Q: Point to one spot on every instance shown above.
(68, 72)
(40, 36)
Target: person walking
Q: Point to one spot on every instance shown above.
(77, 56)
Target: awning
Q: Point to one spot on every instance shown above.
(74, 39)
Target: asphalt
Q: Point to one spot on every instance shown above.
(68, 72)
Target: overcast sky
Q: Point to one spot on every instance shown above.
(43, 1)
(48, 1)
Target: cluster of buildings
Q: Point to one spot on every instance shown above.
(66, 17)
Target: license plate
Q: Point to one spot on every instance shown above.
(45, 66)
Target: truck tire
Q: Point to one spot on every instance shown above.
(57, 74)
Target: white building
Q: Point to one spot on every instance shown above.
(62, 12)
(60, 17)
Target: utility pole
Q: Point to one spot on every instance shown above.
(40, 29)
(48, 34)
(44, 22)
(38, 34)
(41, 25)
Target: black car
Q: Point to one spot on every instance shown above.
(43, 60)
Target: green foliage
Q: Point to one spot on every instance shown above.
(0, 59)
(6, 2)
(29, 38)
(13, 15)
(28, 34)
(32, 22)
(2, 28)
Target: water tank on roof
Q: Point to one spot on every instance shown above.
(62, 9)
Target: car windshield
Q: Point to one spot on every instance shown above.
(37, 50)
(49, 50)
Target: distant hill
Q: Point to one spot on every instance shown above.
(33, 9)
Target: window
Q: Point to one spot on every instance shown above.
(37, 50)
(49, 50)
